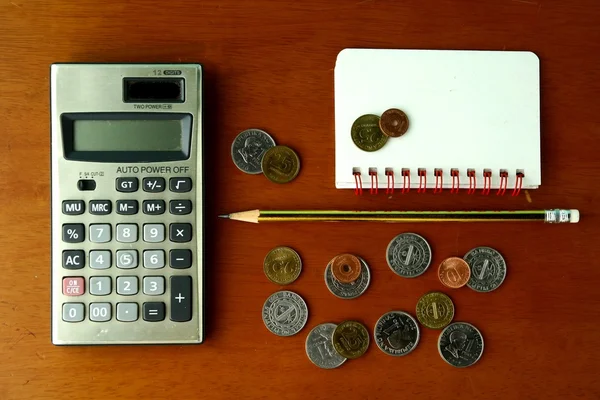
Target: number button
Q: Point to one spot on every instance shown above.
(180, 207)
(100, 285)
(127, 312)
(154, 233)
(100, 312)
(127, 233)
(154, 259)
(154, 285)
(100, 259)
(127, 285)
(73, 233)
(73, 207)
(153, 311)
(153, 207)
(127, 207)
(127, 185)
(180, 185)
(127, 259)
(73, 259)
(99, 233)
(180, 233)
(153, 185)
(72, 312)
(100, 207)
(180, 258)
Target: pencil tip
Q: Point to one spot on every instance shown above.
(224, 216)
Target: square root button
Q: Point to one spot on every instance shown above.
(73, 286)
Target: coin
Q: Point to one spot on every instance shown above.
(488, 269)
(408, 255)
(248, 148)
(280, 164)
(435, 310)
(319, 347)
(396, 333)
(393, 122)
(348, 290)
(454, 272)
(282, 265)
(351, 339)
(366, 133)
(346, 268)
(285, 313)
(460, 344)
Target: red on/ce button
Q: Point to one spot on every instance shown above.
(73, 286)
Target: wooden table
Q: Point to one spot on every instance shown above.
(269, 64)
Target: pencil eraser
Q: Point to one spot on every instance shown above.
(574, 216)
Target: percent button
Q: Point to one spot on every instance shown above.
(73, 233)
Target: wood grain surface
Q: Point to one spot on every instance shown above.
(269, 64)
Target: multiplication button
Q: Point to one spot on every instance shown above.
(180, 233)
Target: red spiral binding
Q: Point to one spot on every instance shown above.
(390, 179)
(455, 177)
(374, 179)
(438, 177)
(503, 182)
(518, 183)
(358, 180)
(472, 181)
(487, 182)
(405, 178)
(422, 180)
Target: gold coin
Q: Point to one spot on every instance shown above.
(366, 133)
(351, 339)
(435, 310)
(282, 265)
(280, 164)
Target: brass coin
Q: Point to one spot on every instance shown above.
(454, 272)
(345, 268)
(366, 133)
(280, 164)
(435, 310)
(351, 339)
(282, 265)
(393, 122)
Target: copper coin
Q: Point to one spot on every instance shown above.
(346, 268)
(393, 122)
(454, 272)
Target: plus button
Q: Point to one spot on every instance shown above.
(179, 298)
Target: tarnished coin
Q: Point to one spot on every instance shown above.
(454, 272)
(285, 313)
(366, 133)
(280, 164)
(351, 339)
(435, 310)
(408, 255)
(460, 344)
(282, 265)
(488, 269)
(248, 149)
(348, 290)
(393, 122)
(319, 347)
(396, 333)
(346, 268)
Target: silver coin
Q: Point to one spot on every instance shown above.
(248, 148)
(397, 333)
(319, 347)
(348, 290)
(408, 255)
(488, 269)
(285, 313)
(460, 344)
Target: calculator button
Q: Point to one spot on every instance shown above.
(127, 185)
(180, 207)
(127, 259)
(180, 233)
(100, 312)
(100, 259)
(154, 233)
(73, 207)
(100, 285)
(73, 233)
(180, 258)
(100, 207)
(154, 259)
(181, 298)
(100, 233)
(127, 233)
(127, 312)
(73, 259)
(127, 285)
(153, 311)
(153, 185)
(127, 207)
(153, 207)
(154, 285)
(72, 312)
(180, 185)
(73, 286)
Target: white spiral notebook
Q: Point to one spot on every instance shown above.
(474, 119)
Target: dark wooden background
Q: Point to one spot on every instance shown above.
(269, 64)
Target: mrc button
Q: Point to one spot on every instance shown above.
(100, 207)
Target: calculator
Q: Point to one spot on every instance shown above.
(127, 203)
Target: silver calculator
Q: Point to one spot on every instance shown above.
(127, 202)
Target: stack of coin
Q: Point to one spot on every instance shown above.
(282, 265)
(370, 132)
(285, 313)
(329, 345)
(347, 276)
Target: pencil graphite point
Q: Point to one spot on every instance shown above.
(224, 216)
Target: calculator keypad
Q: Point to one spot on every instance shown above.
(127, 207)
(154, 233)
(154, 259)
(127, 233)
(127, 259)
(127, 312)
(73, 312)
(127, 285)
(100, 312)
(100, 233)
